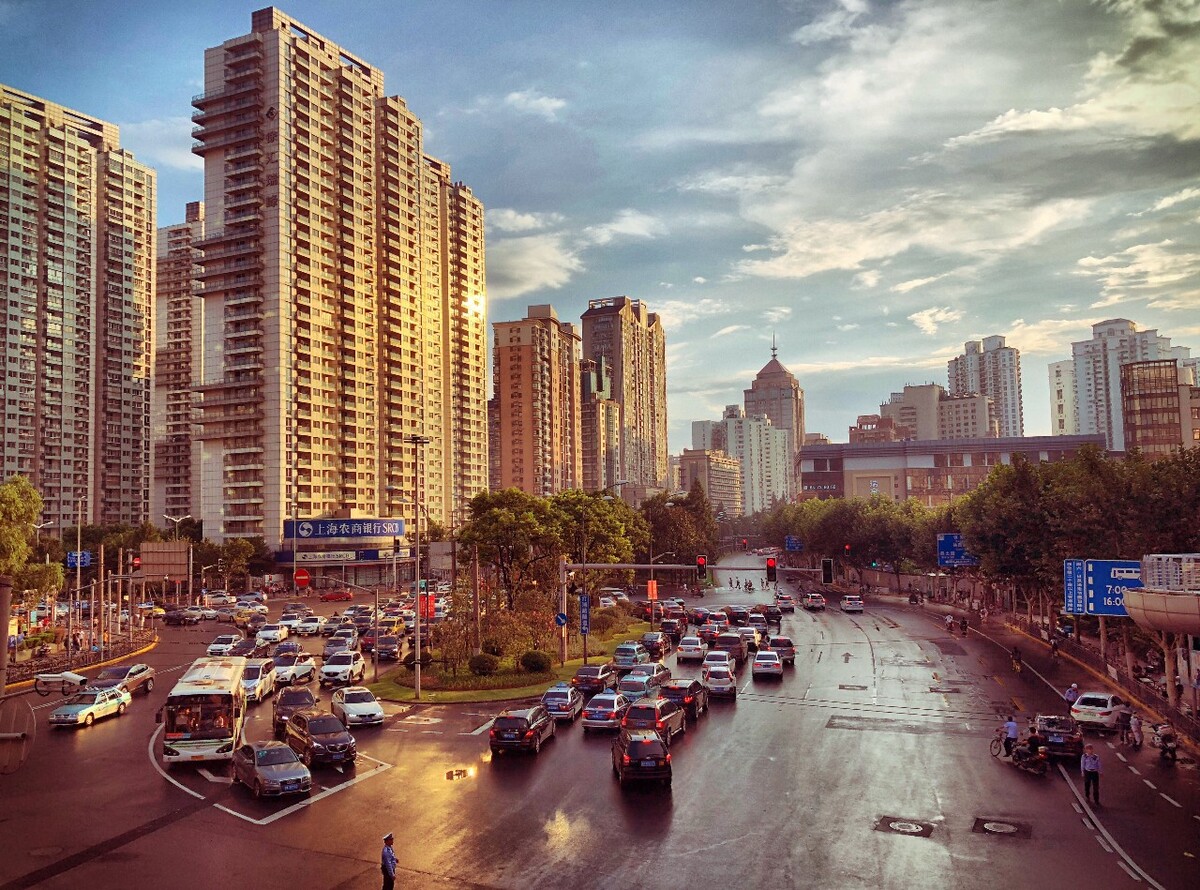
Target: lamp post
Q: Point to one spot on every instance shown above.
(604, 495)
(176, 521)
(418, 442)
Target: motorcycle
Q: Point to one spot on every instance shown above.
(1037, 763)
(42, 651)
(1165, 741)
(913, 599)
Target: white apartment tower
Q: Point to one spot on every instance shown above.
(762, 451)
(343, 295)
(990, 368)
(76, 287)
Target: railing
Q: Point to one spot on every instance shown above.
(20, 671)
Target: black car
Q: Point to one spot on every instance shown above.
(659, 715)
(521, 729)
(640, 755)
(739, 617)
(181, 617)
(250, 648)
(1063, 736)
(290, 700)
(673, 628)
(657, 643)
(319, 737)
(688, 693)
(388, 648)
(592, 678)
(774, 615)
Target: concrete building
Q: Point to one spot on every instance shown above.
(629, 337)
(1064, 419)
(719, 475)
(1160, 407)
(776, 393)
(926, 412)
(178, 354)
(343, 294)
(934, 472)
(990, 368)
(600, 426)
(874, 428)
(763, 454)
(537, 394)
(77, 233)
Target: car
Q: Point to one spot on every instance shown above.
(655, 670)
(733, 643)
(659, 714)
(521, 729)
(607, 602)
(641, 755)
(252, 606)
(628, 654)
(674, 628)
(346, 668)
(752, 637)
(256, 623)
(691, 649)
(334, 645)
(208, 613)
(222, 644)
(388, 648)
(709, 632)
(605, 710)
(250, 647)
(308, 626)
(814, 602)
(287, 647)
(336, 596)
(272, 633)
(294, 667)
(721, 681)
(657, 643)
(347, 633)
(225, 614)
(290, 620)
(357, 706)
(319, 737)
(718, 659)
(785, 603)
(270, 769)
(86, 707)
(852, 602)
(196, 611)
(179, 617)
(635, 686)
(592, 678)
(258, 679)
(564, 702)
(738, 617)
(774, 615)
(1063, 735)
(289, 700)
(1099, 710)
(784, 648)
(687, 692)
(131, 677)
(766, 664)
(330, 624)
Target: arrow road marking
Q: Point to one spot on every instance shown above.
(220, 780)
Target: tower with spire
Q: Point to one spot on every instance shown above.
(776, 393)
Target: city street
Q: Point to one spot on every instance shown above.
(866, 766)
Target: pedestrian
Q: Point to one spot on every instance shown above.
(387, 862)
(1124, 724)
(949, 619)
(983, 616)
(1011, 734)
(1089, 765)
(1071, 694)
(1135, 731)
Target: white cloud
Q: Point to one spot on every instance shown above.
(1177, 198)
(676, 313)
(505, 219)
(928, 320)
(905, 286)
(730, 329)
(700, 279)
(533, 102)
(163, 142)
(1166, 274)
(777, 314)
(1047, 336)
(517, 266)
(627, 223)
(847, 327)
(835, 24)
(867, 278)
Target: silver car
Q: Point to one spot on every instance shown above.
(605, 710)
(270, 769)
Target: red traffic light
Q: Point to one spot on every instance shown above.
(701, 566)
(847, 548)
(137, 562)
(770, 562)
(771, 568)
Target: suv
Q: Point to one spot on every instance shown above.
(852, 602)
(658, 714)
(258, 678)
(657, 643)
(289, 700)
(785, 648)
(673, 628)
(1064, 737)
(688, 693)
(733, 643)
(814, 602)
(521, 729)
(628, 654)
(346, 667)
(785, 602)
(320, 737)
(593, 678)
(563, 701)
(640, 754)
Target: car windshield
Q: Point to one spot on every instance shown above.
(325, 725)
(275, 756)
(387, 641)
(359, 698)
(718, 675)
(555, 695)
(643, 712)
(690, 641)
(252, 672)
(636, 685)
(1056, 724)
(781, 641)
(295, 697)
(112, 674)
(285, 661)
(269, 627)
(645, 748)
(83, 698)
(341, 658)
(588, 672)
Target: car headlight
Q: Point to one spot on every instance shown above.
(317, 746)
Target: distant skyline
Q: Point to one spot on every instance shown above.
(873, 184)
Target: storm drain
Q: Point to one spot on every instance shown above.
(850, 686)
(1003, 828)
(903, 825)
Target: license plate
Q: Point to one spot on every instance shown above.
(336, 756)
(291, 786)
(510, 735)
(1056, 738)
(649, 763)
(196, 757)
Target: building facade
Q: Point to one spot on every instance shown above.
(1160, 407)
(988, 367)
(343, 296)
(718, 474)
(77, 242)
(600, 426)
(775, 393)
(926, 412)
(763, 454)
(537, 392)
(629, 337)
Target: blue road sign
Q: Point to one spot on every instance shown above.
(792, 544)
(310, 529)
(951, 552)
(561, 619)
(1107, 580)
(79, 559)
(1074, 587)
(585, 613)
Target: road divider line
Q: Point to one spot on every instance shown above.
(1128, 871)
(1103, 845)
(482, 729)
(1150, 785)
(1133, 769)
(1169, 800)
(162, 772)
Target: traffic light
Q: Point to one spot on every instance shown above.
(136, 562)
(827, 571)
(220, 566)
(847, 546)
(745, 543)
(770, 568)
(701, 567)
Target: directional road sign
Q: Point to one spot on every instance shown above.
(951, 552)
(1107, 580)
(561, 619)
(792, 544)
(585, 614)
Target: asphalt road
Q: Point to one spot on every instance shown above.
(867, 766)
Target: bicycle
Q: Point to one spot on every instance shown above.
(1016, 666)
(68, 681)
(997, 743)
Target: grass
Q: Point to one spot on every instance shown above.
(397, 684)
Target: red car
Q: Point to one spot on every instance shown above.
(333, 596)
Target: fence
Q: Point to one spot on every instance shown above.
(25, 670)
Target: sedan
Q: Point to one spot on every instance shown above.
(605, 711)
(357, 706)
(721, 681)
(249, 648)
(784, 648)
(593, 678)
(785, 602)
(1099, 710)
(655, 670)
(85, 708)
(563, 701)
(309, 626)
(270, 769)
(297, 668)
(852, 602)
(272, 633)
(334, 596)
(691, 649)
(223, 644)
(767, 664)
(131, 677)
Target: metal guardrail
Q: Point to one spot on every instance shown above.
(22, 671)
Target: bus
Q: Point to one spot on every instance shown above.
(206, 711)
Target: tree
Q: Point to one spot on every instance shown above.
(594, 528)
(20, 506)
(517, 535)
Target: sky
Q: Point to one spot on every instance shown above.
(868, 185)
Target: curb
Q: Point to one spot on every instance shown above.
(26, 686)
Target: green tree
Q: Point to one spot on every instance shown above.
(20, 506)
(517, 535)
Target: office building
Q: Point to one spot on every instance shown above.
(600, 426)
(718, 474)
(175, 484)
(874, 428)
(77, 231)
(343, 296)
(990, 368)
(536, 392)
(926, 412)
(1160, 407)
(629, 337)
(776, 394)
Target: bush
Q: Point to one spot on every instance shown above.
(536, 662)
(483, 664)
(493, 648)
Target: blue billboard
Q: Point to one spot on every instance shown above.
(1107, 580)
(951, 552)
(312, 529)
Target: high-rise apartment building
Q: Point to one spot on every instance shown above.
(77, 273)
(1160, 407)
(763, 454)
(600, 426)
(175, 485)
(718, 474)
(1095, 378)
(990, 368)
(776, 394)
(536, 392)
(343, 295)
(629, 337)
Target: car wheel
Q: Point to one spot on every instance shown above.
(682, 727)
(258, 789)
(121, 709)
(537, 746)
(89, 720)
(149, 686)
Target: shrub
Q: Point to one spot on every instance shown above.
(483, 664)
(493, 648)
(536, 662)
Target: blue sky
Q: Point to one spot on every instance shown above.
(870, 183)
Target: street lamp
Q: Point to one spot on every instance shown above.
(562, 605)
(38, 526)
(176, 521)
(418, 442)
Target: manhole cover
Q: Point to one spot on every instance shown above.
(1003, 828)
(903, 825)
(850, 686)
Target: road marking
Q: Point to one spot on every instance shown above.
(481, 729)
(1173, 803)
(1133, 769)
(309, 801)
(431, 732)
(1150, 785)
(1121, 757)
(1106, 847)
(162, 772)
(220, 780)
(1128, 870)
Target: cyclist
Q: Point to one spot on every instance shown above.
(1054, 647)
(1016, 659)
(950, 623)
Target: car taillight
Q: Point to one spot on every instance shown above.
(667, 758)
(609, 715)
(625, 758)
(624, 721)
(658, 724)
(1105, 713)
(687, 699)
(491, 734)
(529, 733)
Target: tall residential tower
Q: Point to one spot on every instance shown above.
(776, 393)
(990, 368)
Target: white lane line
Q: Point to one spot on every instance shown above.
(1077, 807)
(1133, 769)
(267, 820)
(1171, 801)
(1150, 785)
(431, 732)
(484, 728)
(1121, 757)
(1128, 871)
(162, 772)
(1106, 847)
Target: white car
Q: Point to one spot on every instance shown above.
(356, 706)
(295, 667)
(258, 679)
(252, 606)
(607, 602)
(272, 633)
(852, 602)
(290, 620)
(222, 644)
(308, 626)
(752, 637)
(718, 659)
(721, 681)
(767, 664)
(208, 613)
(691, 649)
(1099, 710)
(345, 668)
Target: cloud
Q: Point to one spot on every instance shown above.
(733, 328)
(504, 219)
(700, 279)
(928, 320)
(1177, 198)
(777, 314)
(517, 266)
(847, 327)
(867, 278)
(162, 142)
(1047, 336)
(676, 313)
(627, 223)
(535, 103)
(836, 24)
(905, 286)
(1166, 274)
